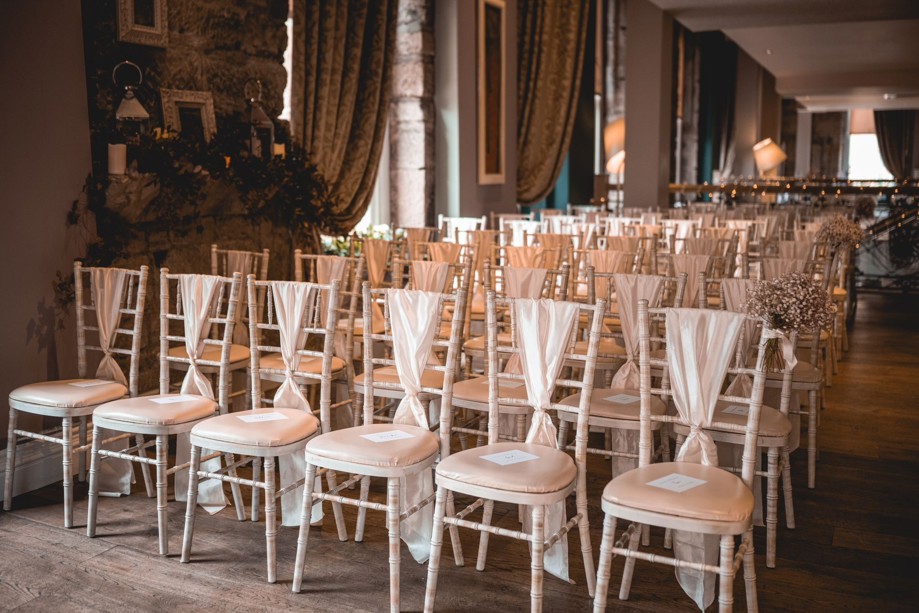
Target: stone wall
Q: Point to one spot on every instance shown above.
(214, 46)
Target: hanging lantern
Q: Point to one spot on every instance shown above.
(261, 128)
(131, 118)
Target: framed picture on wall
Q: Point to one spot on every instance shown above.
(189, 112)
(142, 22)
(491, 28)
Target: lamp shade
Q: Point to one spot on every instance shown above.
(768, 155)
(614, 137)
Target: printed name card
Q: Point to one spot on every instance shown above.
(388, 435)
(273, 416)
(89, 383)
(510, 457)
(676, 483)
(623, 398)
(736, 409)
(173, 399)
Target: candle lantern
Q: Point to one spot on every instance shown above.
(261, 128)
(131, 118)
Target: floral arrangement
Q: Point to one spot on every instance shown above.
(839, 230)
(340, 245)
(790, 303)
(864, 207)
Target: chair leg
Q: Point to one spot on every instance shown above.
(812, 439)
(537, 551)
(487, 511)
(193, 467)
(392, 524)
(271, 524)
(256, 491)
(562, 433)
(455, 542)
(437, 542)
(336, 509)
(628, 570)
(786, 486)
(10, 461)
(144, 468)
(749, 573)
(587, 551)
(606, 561)
(81, 458)
(234, 488)
(93, 496)
(162, 518)
(726, 575)
(303, 536)
(362, 510)
(66, 465)
(772, 505)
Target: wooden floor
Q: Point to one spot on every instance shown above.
(856, 546)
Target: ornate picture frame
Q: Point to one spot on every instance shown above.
(491, 62)
(143, 22)
(192, 105)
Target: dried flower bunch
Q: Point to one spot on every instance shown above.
(791, 302)
(838, 230)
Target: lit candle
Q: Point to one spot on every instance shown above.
(280, 149)
(226, 159)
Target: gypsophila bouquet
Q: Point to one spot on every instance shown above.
(790, 303)
(838, 230)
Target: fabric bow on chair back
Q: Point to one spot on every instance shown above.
(108, 289)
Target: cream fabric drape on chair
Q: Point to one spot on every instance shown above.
(700, 346)
(241, 262)
(445, 252)
(376, 255)
(542, 353)
(107, 286)
(692, 265)
(414, 315)
(773, 268)
(527, 256)
(198, 295)
(430, 276)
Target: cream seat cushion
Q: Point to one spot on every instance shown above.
(607, 347)
(601, 405)
(476, 389)
(553, 471)
(771, 421)
(359, 326)
(238, 353)
(296, 426)
(69, 393)
(145, 409)
(477, 343)
(310, 365)
(349, 445)
(804, 372)
(388, 374)
(723, 496)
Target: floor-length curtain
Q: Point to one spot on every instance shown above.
(341, 83)
(551, 38)
(896, 131)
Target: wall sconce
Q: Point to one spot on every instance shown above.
(261, 128)
(768, 156)
(131, 118)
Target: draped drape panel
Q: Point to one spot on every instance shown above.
(551, 38)
(341, 84)
(896, 131)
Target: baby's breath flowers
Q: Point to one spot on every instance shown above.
(839, 230)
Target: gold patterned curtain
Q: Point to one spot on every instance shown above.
(551, 37)
(341, 82)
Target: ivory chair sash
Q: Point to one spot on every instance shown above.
(448, 253)
(692, 265)
(430, 276)
(529, 256)
(773, 268)
(376, 253)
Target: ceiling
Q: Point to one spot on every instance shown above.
(827, 54)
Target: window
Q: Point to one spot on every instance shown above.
(865, 158)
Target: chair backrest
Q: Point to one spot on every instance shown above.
(554, 284)
(498, 220)
(379, 350)
(449, 225)
(298, 321)
(542, 347)
(215, 303)
(699, 362)
(224, 262)
(112, 312)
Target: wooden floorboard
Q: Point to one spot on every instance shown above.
(856, 546)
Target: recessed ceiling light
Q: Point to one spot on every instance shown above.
(890, 96)
(768, 51)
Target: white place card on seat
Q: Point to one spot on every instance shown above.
(510, 457)
(389, 435)
(676, 482)
(273, 416)
(736, 409)
(623, 398)
(90, 383)
(173, 399)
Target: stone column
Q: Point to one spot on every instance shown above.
(411, 121)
